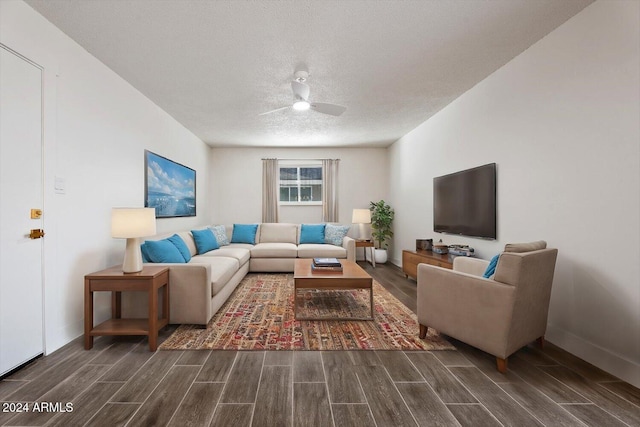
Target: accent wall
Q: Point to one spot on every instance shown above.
(562, 122)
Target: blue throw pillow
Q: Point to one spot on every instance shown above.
(205, 240)
(244, 233)
(145, 255)
(491, 268)
(334, 234)
(182, 247)
(163, 251)
(221, 234)
(312, 233)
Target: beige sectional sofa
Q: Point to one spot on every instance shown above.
(200, 287)
(278, 245)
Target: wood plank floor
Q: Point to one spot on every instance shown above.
(119, 382)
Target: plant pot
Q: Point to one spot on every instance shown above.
(380, 256)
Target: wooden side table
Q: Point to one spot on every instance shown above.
(367, 244)
(113, 280)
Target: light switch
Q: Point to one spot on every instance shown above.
(59, 185)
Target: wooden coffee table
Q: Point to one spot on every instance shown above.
(351, 277)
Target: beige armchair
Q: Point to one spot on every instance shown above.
(499, 315)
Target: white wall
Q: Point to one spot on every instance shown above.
(96, 130)
(236, 182)
(562, 123)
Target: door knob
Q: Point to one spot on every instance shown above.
(36, 233)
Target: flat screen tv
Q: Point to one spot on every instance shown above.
(465, 202)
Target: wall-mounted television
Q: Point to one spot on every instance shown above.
(465, 202)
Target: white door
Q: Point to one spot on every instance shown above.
(21, 277)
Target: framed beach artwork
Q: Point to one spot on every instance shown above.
(169, 187)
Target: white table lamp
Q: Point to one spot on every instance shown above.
(130, 224)
(361, 217)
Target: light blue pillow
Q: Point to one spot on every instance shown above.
(312, 233)
(244, 233)
(220, 232)
(491, 268)
(205, 240)
(334, 234)
(182, 247)
(163, 251)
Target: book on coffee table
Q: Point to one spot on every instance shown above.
(321, 269)
(326, 262)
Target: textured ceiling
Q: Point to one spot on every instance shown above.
(216, 65)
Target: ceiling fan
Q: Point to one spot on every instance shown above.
(301, 101)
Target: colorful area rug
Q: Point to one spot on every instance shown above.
(259, 316)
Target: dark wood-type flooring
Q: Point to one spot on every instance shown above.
(119, 382)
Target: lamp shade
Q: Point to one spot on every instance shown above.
(133, 222)
(361, 216)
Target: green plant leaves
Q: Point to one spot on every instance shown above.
(381, 219)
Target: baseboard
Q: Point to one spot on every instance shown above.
(55, 340)
(626, 370)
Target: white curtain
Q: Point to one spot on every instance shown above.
(330, 190)
(270, 186)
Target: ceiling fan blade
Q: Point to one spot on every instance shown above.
(300, 89)
(331, 109)
(273, 111)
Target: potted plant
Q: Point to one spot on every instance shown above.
(381, 219)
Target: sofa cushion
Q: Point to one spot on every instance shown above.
(278, 233)
(163, 251)
(181, 245)
(334, 234)
(220, 232)
(222, 270)
(525, 247)
(312, 233)
(274, 250)
(244, 233)
(235, 252)
(323, 250)
(241, 245)
(205, 240)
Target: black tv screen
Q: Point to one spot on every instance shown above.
(465, 202)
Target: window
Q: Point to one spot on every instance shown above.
(301, 184)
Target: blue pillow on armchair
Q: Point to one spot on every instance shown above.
(491, 268)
